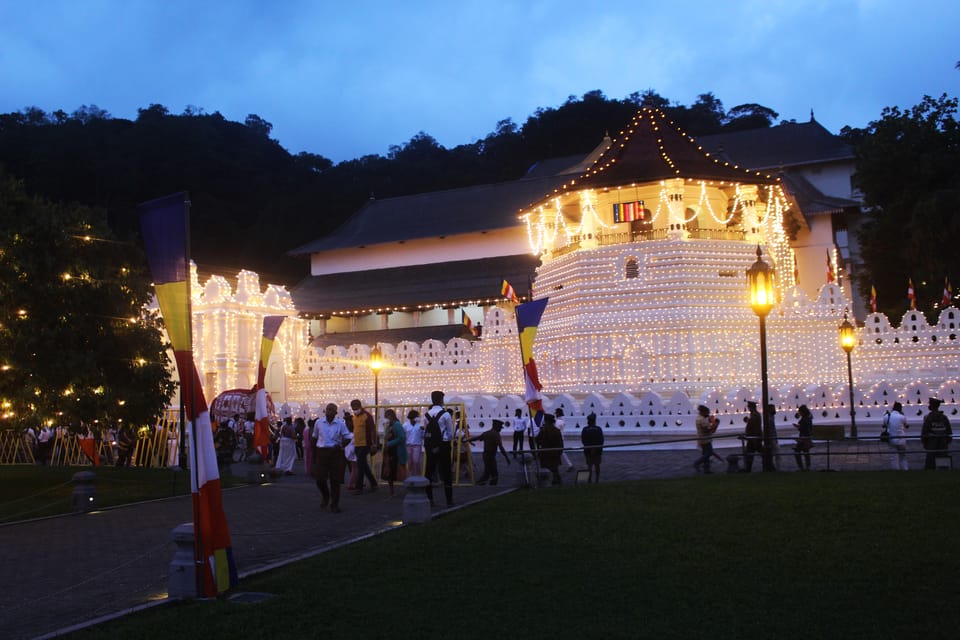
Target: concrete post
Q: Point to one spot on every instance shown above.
(84, 496)
(183, 571)
(416, 505)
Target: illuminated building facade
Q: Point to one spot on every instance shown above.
(642, 247)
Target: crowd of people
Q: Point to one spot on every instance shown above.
(338, 449)
(936, 434)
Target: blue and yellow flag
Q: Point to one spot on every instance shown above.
(163, 223)
(528, 319)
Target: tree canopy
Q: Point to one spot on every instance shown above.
(253, 201)
(908, 168)
(75, 341)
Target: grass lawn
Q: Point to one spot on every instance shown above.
(819, 555)
(33, 491)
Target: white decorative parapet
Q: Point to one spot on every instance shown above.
(909, 363)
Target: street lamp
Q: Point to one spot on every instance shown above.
(376, 363)
(760, 279)
(848, 340)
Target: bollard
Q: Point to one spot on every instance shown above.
(183, 570)
(416, 505)
(256, 471)
(84, 496)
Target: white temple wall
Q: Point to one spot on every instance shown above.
(909, 363)
(466, 246)
(830, 179)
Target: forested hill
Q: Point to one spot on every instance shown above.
(252, 201)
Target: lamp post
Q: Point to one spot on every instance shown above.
(760, 281)
(376, 363)
(848, 340)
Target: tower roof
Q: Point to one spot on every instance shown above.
(651, 148)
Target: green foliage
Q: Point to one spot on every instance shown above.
(908, 168)
(253, 201)
(75, 342)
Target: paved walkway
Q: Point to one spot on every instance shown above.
(68, 570)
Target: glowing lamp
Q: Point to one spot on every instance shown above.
(760, 279)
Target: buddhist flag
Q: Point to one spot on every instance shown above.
(911, 296)
(507, 292)
(831, 276)
(261, 428)
(164, 226)
(468, 323)
(873, 299)
(528, 319)
(947, 293)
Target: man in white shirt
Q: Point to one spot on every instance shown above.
(520, 424)
(330, 435)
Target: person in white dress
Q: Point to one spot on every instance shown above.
(896, 424)
(288, 448)
(413, 427)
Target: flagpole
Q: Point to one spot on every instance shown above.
(195, 470)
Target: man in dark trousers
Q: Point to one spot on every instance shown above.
(437, 438)
(592, 440)
(491, 442)
(550, 447)
(752, 436)
(936, 434)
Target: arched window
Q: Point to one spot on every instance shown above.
(631, 269)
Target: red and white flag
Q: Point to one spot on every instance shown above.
(831, 274)
(911, 296)
(164, 226)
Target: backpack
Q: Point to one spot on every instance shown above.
(432, 434)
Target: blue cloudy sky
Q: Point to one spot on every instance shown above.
(346, 79)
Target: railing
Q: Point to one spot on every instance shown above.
(626, 237)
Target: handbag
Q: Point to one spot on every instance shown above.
(884, 436)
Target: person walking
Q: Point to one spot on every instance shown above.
(491, 442)
(328, 438)
(45, 445)
(706, 425)
(936, 434)
(364, 443)
(437, 438)
(592, 440)
(752, 436)
(550, 446)
(520, 424)
(567, 462)
(394, 451)
(126, 440)
(895, 424)
(413, 429)
(804, 425)
(287, 448)
(307, 449)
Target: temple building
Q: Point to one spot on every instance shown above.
(641, 246)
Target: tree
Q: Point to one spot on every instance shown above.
(75, 341)
(749, 116)
(258, 125)
(908, 168)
